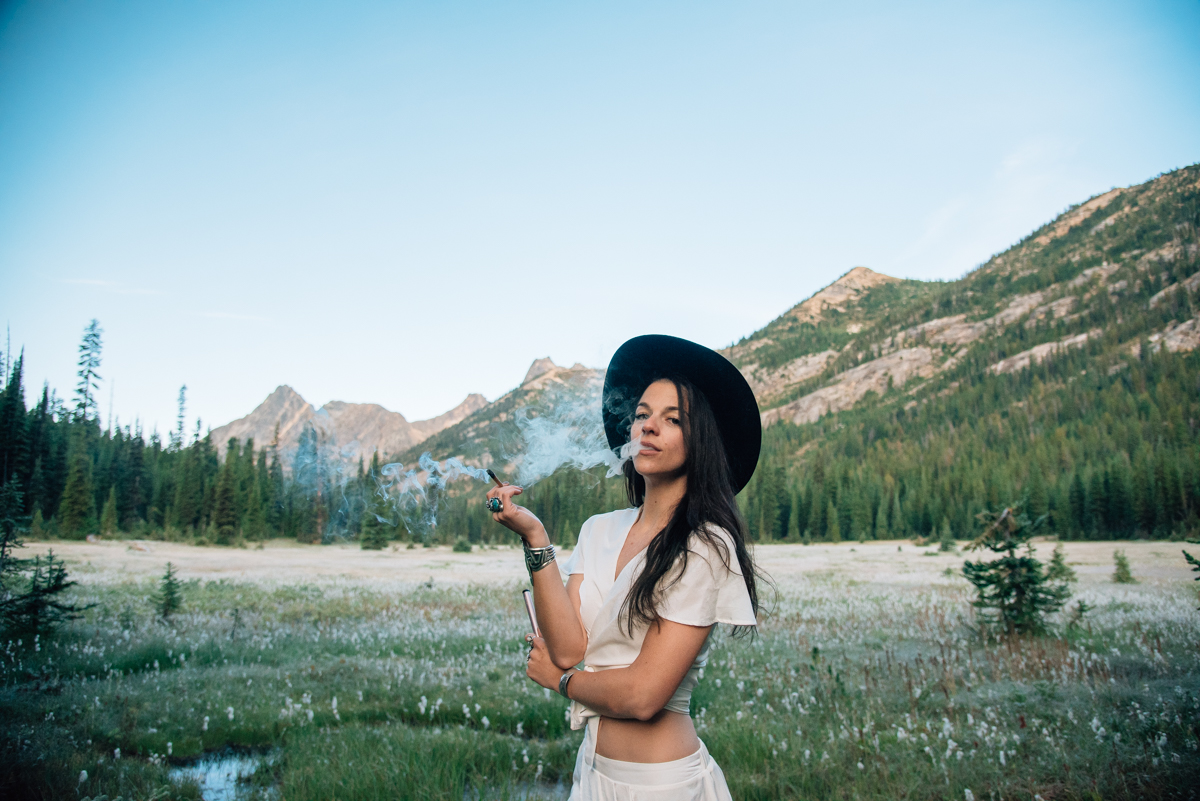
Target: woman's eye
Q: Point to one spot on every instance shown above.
(673, 420)
(641, 416)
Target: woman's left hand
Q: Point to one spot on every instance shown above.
(540, 667)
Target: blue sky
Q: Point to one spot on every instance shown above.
(404, 203)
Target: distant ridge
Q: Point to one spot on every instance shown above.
(352, 430)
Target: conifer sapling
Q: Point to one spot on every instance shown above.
(170, 593)
(1121, 573)
(1013, 592)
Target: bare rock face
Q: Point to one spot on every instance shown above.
(1038, 353)
(539, 367)
(840, 293)
(283, 410)
(766, 383)
(850, 386)
(1076, 216)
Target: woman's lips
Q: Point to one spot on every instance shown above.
(648, 449)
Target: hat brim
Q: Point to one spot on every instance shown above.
(645, 359)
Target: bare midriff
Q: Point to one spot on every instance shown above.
(663, 738)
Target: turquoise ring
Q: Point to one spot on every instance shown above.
(495, 505)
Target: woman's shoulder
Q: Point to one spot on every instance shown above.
(620, 517)
(715, 545)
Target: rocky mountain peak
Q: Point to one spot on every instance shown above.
(841, 293)
(539, 367)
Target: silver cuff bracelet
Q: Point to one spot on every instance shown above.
(537, 558)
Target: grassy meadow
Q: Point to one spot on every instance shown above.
(399, 674)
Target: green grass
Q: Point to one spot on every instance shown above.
(852, 691)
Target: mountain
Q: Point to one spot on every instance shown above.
(1063, 371)
(488, 435)
(350, 429)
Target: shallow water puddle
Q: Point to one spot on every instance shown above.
(221, 775)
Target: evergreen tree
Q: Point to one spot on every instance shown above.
(946, 540)
(816, 527)
(1122, 573)
(793, 525)
(1039, 501)
(374, 534)
(108, 517)
(39, 609)
(897, 520)
(14, 453)
(1077, 500)
(78, 505)
(1014, 595)
(1194, 562)
(12, 527)
(1059, 571)
(835, 530)
(255, 524)
(225, 507)
(881, 527)
(86, 405)
(170, 593)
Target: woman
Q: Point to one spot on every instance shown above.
(645, 586)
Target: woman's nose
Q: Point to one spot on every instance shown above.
(650, 425)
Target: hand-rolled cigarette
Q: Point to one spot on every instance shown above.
(495, 478)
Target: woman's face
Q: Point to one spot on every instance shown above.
(657, 423)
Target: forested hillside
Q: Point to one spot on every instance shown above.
(1064, 371)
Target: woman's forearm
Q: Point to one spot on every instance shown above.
(557, 617)
(614, 693)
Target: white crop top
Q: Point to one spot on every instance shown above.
(707, 593)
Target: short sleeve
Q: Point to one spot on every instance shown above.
(708, 591)
(574, 563)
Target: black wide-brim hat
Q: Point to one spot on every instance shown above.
(645, 359)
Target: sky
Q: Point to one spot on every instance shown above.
(403, 203)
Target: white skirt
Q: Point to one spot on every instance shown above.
(597, 778)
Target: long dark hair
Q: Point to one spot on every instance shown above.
(707, 503)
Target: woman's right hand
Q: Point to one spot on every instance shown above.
(517, 518)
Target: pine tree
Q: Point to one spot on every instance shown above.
(14, 445)
(1122, 573)
(1058, 570)
(881, 527)
(170, 593)
(946, 541)
(897, 519)
(12, 527)
(38, 610)
(1076, 501)
(1095, 506)
(835, 530)
(1039, 502)
(78, 506)
(225, 507)
(255, 524)
(1014, 595)
(793, 526)
(374, 535)
(818, 505)
(1194, 562)
(108, 517)
(86, 405)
